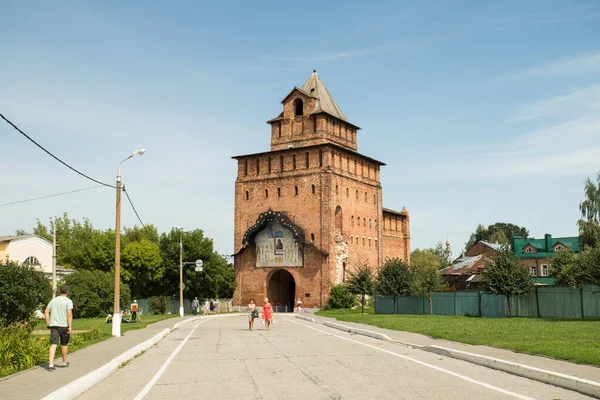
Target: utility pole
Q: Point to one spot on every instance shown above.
(181, 275)
(53, 259)
(116, 326)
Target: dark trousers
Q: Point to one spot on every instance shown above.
(133, 316)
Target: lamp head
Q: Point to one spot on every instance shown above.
(138, 152)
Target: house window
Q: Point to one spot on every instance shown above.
(31, 261)
(559, 248)
(544, 270)
(298, 107)
(533, 270)
(296, 190)
(529, 250)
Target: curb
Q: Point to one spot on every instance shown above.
(364, 332)
(309, 319)
(574, 383)
(82, 384)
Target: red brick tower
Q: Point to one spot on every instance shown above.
(310, 208)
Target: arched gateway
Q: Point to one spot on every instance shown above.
(281, 290)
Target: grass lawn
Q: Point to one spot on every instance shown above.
(572, 340)
(104, 329)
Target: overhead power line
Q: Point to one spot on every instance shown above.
(52, 155)
(50, 195)
(137, 215)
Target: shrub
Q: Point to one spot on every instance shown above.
(158, 304)
(340, 297)
(19, 350)
(92, 293)
(23, 289)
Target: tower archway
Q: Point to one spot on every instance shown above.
(281, 291)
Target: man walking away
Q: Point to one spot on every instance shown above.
(59, 318)
(195, 305)
(134, 310)
(299, 305)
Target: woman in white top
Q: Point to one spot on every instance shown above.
(251, 314)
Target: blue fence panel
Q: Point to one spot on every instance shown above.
(467, 303)
(591, 301)
(490, 305)
(383, 305)
(409, 305)
(443, 303)
(559, 302)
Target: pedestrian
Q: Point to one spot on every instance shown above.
(267, 314)
(212, 306)
(134, 310)
(195, 305)
(299, 305)
(206, 307)
(252, 313)
(59, 319)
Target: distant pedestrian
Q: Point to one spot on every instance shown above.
(212, 306)
(195, 305)
(267, 314)
(299, 305)
(59, 319)
(206, 307)
(134, 310)
(252, 314)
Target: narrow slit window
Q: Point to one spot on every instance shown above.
(266, 193)
(294, 161)
(312, 237)
(296, 190)
(269, 166)
(247, 195)
(281, 162)
(257, 166)
(307, 160)
(278, 192)
(314, 189)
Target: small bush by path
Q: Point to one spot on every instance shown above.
(575, 341)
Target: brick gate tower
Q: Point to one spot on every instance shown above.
(310, 209)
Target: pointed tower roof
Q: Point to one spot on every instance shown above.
(315, 87)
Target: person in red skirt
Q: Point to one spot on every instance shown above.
(267, 313)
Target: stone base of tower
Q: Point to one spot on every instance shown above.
(282, 285)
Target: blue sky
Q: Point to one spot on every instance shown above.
(484, 111)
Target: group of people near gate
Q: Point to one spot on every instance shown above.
(267, 314)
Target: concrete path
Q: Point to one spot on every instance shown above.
(38, 382)
(220, 358)
(578, 370)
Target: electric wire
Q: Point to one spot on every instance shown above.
(150, 236)
(53, 156)
(50, 195)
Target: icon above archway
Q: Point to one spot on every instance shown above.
(277, 247)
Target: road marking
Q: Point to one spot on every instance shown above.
(162, 369)
(466, 378)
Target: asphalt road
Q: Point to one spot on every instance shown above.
(219, 358)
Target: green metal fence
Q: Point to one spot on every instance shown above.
(543, 302)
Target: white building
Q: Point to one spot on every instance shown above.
(31, 250)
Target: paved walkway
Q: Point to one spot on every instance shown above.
(38, 382)
(218, 358)
(551, 364)
(297, 359)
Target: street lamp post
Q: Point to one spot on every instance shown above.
(197, 263)
(116, 320)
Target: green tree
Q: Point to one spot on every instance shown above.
(443, 253)
(492, 233)
(92, 293)
(340, 297)
(506, 276)
(141, 265)
(589, 223)
(361, 283)
(425, 258)
(394, 279)
(566, 270)
(23, 290)
(425, 280)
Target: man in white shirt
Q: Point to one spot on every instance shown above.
(59, 318)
